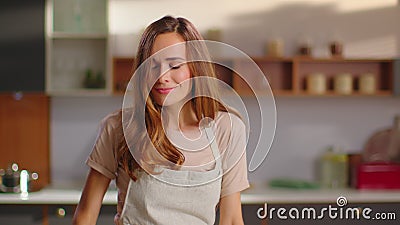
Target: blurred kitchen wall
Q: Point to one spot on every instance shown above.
(366, 28)
(305, 126)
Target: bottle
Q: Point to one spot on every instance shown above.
(334, 169)
(394, 141)
(326, 169)
(341, 168)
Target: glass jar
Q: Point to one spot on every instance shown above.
(334, 169)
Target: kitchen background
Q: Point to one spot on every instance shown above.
(306, 126)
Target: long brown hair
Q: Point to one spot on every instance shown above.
(203, 105)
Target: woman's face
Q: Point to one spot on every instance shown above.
(171, 69)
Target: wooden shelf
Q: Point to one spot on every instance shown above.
(122, 70)
(381, 69)
(286, 76)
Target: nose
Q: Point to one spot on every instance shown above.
(165, 76)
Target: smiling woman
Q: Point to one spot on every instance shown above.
(155, 176)
(172, 68)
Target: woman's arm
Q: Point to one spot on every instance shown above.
(91, 198)
(230, 210)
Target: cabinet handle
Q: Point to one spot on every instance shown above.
(60, 212)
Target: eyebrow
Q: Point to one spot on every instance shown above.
(174, 58)
(170, 59)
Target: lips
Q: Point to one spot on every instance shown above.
(164, 90)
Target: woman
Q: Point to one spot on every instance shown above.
(159, 180)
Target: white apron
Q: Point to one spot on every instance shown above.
(151, 201)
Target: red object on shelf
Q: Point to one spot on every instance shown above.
(378, 175)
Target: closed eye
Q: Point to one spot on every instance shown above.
(175, 65)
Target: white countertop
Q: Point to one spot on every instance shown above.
(288, 196)
(258, 195)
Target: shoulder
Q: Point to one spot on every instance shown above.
(113, 119)
(229, 128)
(112, 122)
(226, 121)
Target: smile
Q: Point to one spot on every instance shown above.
(164, 90)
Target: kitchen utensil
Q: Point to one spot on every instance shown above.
(336, 49)
(384, 145)
(15, 181)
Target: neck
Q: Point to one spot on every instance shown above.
(180, 116)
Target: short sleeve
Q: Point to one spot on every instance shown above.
(103, 156)
(234, 155)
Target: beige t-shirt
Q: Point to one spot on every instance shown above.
(230, 136)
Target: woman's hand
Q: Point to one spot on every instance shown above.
(230, 210)
(89, 205)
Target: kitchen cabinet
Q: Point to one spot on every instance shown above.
(57, 214)
(77, 47)
(24, 134)
(63, 214)
(53, 205)
(21, 214)
(22, 44)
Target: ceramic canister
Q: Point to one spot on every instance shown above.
(343, 83)
(275, 48)
(367, 83)
(316, 83)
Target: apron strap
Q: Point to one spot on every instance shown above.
(214, 147)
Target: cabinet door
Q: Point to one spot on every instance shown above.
(59, 214)
(21, 215)
(24, 134)
(63, 214)
(22, 45)
(78, 58)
